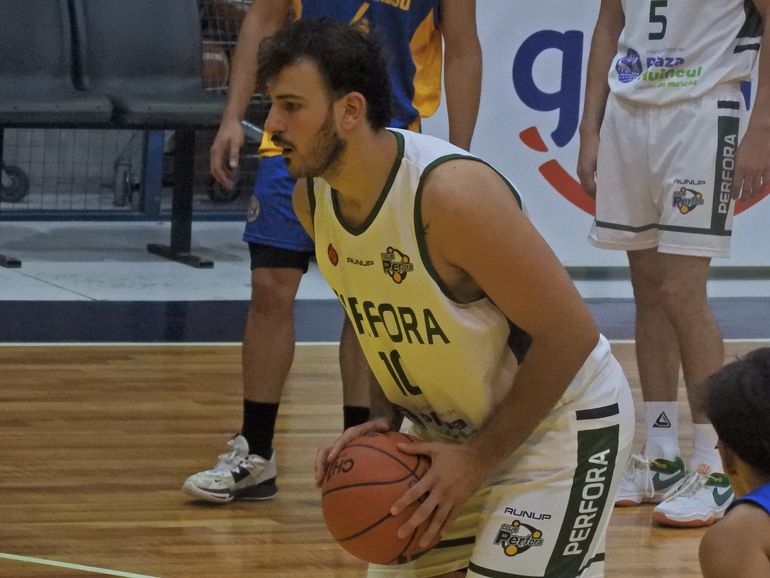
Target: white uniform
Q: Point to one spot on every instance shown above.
(447, 365)
(672, 125)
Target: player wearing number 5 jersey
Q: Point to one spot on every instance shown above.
(469, 323)
(661, 150)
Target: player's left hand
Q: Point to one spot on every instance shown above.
(752, 164)
(455, 473)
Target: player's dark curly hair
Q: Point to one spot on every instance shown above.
(738, 404)
(349, 60)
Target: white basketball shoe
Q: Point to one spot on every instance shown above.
(237, 475)
(700, 500)
(648, 480)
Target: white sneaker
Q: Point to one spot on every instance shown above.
(237, 475)
(648, 480)
(700, 500)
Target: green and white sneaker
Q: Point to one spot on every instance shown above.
(648, 480)
(237, 475)
(700, 500)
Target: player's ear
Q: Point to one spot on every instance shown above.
(728, 459)
(353, 109)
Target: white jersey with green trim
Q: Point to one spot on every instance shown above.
(446, 364)
(671, 50)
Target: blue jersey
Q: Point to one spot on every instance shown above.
(759, 497)
(409, 33)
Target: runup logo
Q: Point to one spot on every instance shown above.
(396, 264)
(514, 541)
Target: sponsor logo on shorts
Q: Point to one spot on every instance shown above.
(396, 265)
(334, 257)
(519, 513)
(686, 199)
(518, 537)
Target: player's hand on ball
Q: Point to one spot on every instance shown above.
(326, 455)
(456, 472)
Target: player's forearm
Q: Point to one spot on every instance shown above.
(462, 81)
(380, 406)
(262, 20)
(760, 114)
(603, 48)
(542, 379)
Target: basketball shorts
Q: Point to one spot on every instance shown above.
(270, 219)
(664, 174)
(545, 510)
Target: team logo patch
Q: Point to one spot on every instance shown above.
(686, 199)
(517, 537)
(629, 67)
(396, 264)
(334, 258)
(253, 211)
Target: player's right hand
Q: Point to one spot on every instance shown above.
(225, 152)
(326, 455)
(586, 165)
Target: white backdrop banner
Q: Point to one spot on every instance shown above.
(535, 56)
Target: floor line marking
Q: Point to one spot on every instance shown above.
(43, 561)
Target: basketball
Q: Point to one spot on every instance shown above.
(360, 487)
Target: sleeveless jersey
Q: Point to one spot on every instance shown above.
(446, 364)
(759, 497)
(672, 50)
(409, 33)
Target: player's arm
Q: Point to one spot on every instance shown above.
(300, 200)
(482, 242)
(752, 161)
(462, 68)
(737, 547)
(263, 19)
(604, 45)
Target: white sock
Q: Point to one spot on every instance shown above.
(661, 430)
(704, 448)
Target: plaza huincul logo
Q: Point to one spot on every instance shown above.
(396, 264)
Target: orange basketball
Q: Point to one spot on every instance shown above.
(358, 490)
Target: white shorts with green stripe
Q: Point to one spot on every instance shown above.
(664, 174)
(545, 511)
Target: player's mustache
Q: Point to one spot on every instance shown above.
(278, 140)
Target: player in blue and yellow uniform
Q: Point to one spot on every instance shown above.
(414, 33)
(738, 404)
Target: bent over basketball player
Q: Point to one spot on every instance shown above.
(470, 325)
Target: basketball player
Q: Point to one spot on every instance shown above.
(738, 404)
(280, 248)
(469, 324)
(659, 150)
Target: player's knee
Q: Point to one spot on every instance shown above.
(272, 293)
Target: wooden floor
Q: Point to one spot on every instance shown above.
(95, 443)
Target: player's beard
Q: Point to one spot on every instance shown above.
(326, 152)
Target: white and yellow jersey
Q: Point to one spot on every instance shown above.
(671, 50)
(447, 364)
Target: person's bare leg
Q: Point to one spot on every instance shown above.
(657, 350)
(698, 336)
(268, 341)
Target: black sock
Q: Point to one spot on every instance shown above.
(259, 426)
(354, 415)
